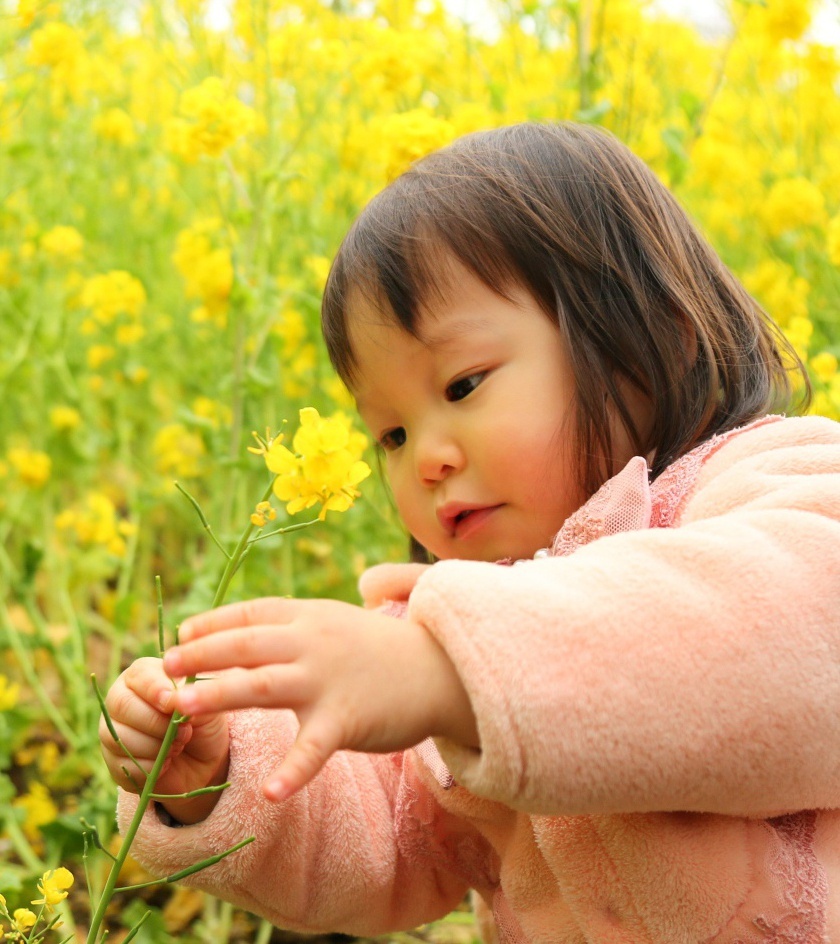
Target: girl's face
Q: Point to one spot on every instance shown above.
(475, 418)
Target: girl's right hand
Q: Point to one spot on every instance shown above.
(140, 705)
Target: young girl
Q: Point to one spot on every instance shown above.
(610, 708)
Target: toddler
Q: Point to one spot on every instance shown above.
(610, 706)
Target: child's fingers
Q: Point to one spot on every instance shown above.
(235, 615)
(269, 686)
(389, 582)
(243, 648)
(318, 739)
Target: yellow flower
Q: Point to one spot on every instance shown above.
(111, 294)
(8, 276)
(782, 19)
(98, 355)
(64, 243)
(24, 919)
(32, 466)
(63, 418)
(217, 414)
(783, 293)
(39, 810)
(94, 522)
(212, 121)
(54, 886)
(324, 468)
(263, 513)
(833, 240)
(9, 692)
(178, 451)
(410, 135)
(206, 268)
(793, 203)
(824, 366)
(128, 334)
(115, 125)
(55, 44)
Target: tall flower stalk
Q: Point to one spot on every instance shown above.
(326, 467)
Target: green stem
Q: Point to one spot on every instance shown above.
(131, 832)
(192, 793)
(233, 561)
(287, 530)
(21, 844)
(264, 932)
(28, 669)
(191, 870)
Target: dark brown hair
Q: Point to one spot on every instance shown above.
(571, 215)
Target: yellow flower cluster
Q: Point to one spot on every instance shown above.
(325, 467)
(9, 693)
(793, 203)
(32, 466)
(112, 294)
(64, 418)
(178, 451)
(94, 522)
(39, 810)
(263, 513)
(206, 266)
(54, 886)
(211, 121)
(63, 243)
(115, 124)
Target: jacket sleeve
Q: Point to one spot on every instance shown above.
(328, 859)
(695, 668)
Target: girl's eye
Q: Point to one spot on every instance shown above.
(463, 387)
(392, 439)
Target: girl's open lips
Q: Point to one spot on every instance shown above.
(461, 520)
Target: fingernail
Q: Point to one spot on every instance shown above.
(185, 631)
(275, 790)
(164, 700)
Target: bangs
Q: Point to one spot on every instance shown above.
(397, 257)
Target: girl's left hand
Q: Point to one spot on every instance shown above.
(357, 679)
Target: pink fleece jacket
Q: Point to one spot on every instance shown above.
(658, 703)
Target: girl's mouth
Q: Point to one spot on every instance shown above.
(461, 521)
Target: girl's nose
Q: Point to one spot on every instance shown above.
(437, 458)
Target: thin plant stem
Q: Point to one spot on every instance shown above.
(27, 667)
(204, 522)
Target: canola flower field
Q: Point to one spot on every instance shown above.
(171, 192)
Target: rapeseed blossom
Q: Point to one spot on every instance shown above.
(793, 203)
(32, 466)
(178, 451)
(94, 522)
(324, 468)
(115, 124)
(23, 920)
(9, 692)
(205, 264)
(64, 243)
(824, 366)
(833, 240)
(54, 887)
(112, 294)
(212, 120)
(39, 810)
